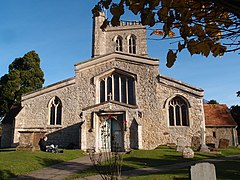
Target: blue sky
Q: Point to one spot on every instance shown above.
(60, 32)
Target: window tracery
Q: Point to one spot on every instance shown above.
(178, 112)
(119, 44)
(132, 44)
(118, 87)
(55, 111)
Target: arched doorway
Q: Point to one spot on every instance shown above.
(111, 132)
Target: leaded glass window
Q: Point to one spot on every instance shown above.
(55, 111)
(132, 45)
(178, 112)
(119, 44)
(118, 87)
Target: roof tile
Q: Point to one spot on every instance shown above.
(218, 115)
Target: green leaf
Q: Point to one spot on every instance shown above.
(24, 75)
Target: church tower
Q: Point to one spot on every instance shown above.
(129, 37)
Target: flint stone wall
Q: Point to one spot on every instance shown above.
(153, 92)
(105, 41)
(166, 90)
(221, 133)
(35, 114)
(125, 32)
(151, 98)
(145, 92)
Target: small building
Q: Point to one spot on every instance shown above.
(219, 125)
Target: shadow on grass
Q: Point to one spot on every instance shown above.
(228, 169)
(166, 159)
(150, 162)
(177, 174)
(45, 162)
(64, 165)
(72, 167)
(7, 150)
(6, 174)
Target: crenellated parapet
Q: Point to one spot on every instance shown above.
(129, 37)
(127, 23)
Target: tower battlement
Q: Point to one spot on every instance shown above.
(129, 37)
(127, 23)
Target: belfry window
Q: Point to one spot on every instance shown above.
(119, 44)
(132, 45)
(55, 111)
(118, 87)
(178, 112)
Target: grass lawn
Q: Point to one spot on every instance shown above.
(13, 163)
(165, 156)
(224, 170)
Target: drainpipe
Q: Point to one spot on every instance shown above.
(234, 136)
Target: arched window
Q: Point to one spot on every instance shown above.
(55, 111)
(118, 87)
(132, 44)
(119, 44)
(178, 112)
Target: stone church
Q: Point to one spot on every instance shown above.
(117, 99)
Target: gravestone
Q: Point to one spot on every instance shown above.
(181, 144)
(210, 140)
(188, 153)
(196, 142)
(203, 171)
(223, 143)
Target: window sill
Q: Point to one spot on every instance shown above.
(179, 126)
(54, 126)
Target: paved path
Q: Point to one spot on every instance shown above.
(63, 170)
(59, 171)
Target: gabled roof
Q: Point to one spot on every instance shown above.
(121, 56)
(111, 102)
(8, 119)
(179, 85)
(218, 115)
(51, 87)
